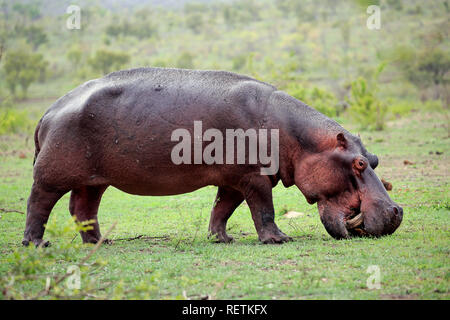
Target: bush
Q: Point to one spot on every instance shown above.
(106, 61)
(320, 99)
(365, 108)
(55, 272)
(13, 121)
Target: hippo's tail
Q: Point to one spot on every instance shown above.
(36, 142)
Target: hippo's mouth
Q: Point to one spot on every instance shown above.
(355, 224)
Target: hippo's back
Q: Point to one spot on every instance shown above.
(162, 90)
(118, 128)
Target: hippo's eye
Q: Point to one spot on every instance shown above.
(359, 164)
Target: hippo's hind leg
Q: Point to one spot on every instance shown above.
(84, 203)
(227, 200)
(39, 205)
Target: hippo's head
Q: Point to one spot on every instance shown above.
(351, 199)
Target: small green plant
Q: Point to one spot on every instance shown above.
(365, 107)
(56, 273)
(13, 121)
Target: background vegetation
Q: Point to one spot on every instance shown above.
(391, 85)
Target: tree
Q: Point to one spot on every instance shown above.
(434, 66)
(22, 69)
(34, 35)
(426, 68)
(105, 61)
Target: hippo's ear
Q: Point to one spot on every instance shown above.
(341, 141)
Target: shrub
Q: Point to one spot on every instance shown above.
(320, 99)
(365, 107)
(55, 272)
(106, 61)
(13, 121)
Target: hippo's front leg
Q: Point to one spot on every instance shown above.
(84, 203)
(258, 194)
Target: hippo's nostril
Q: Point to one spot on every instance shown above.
(398, 211)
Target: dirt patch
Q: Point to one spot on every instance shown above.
(400, 296)
(433, 168)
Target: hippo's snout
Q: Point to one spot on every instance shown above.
(376, 222)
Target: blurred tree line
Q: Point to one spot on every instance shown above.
(318, 51)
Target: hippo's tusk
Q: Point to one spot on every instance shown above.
(355, 221)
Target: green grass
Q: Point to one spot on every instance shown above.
(176, 255)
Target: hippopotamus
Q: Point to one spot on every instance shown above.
(124, 130)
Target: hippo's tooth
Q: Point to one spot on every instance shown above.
(355, 221)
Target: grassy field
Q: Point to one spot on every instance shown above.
(175, 256)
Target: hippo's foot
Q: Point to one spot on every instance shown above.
(108, 241)
(221, 236)
(88, 238)
(273, 235)
(36, 242)
(95, 241)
